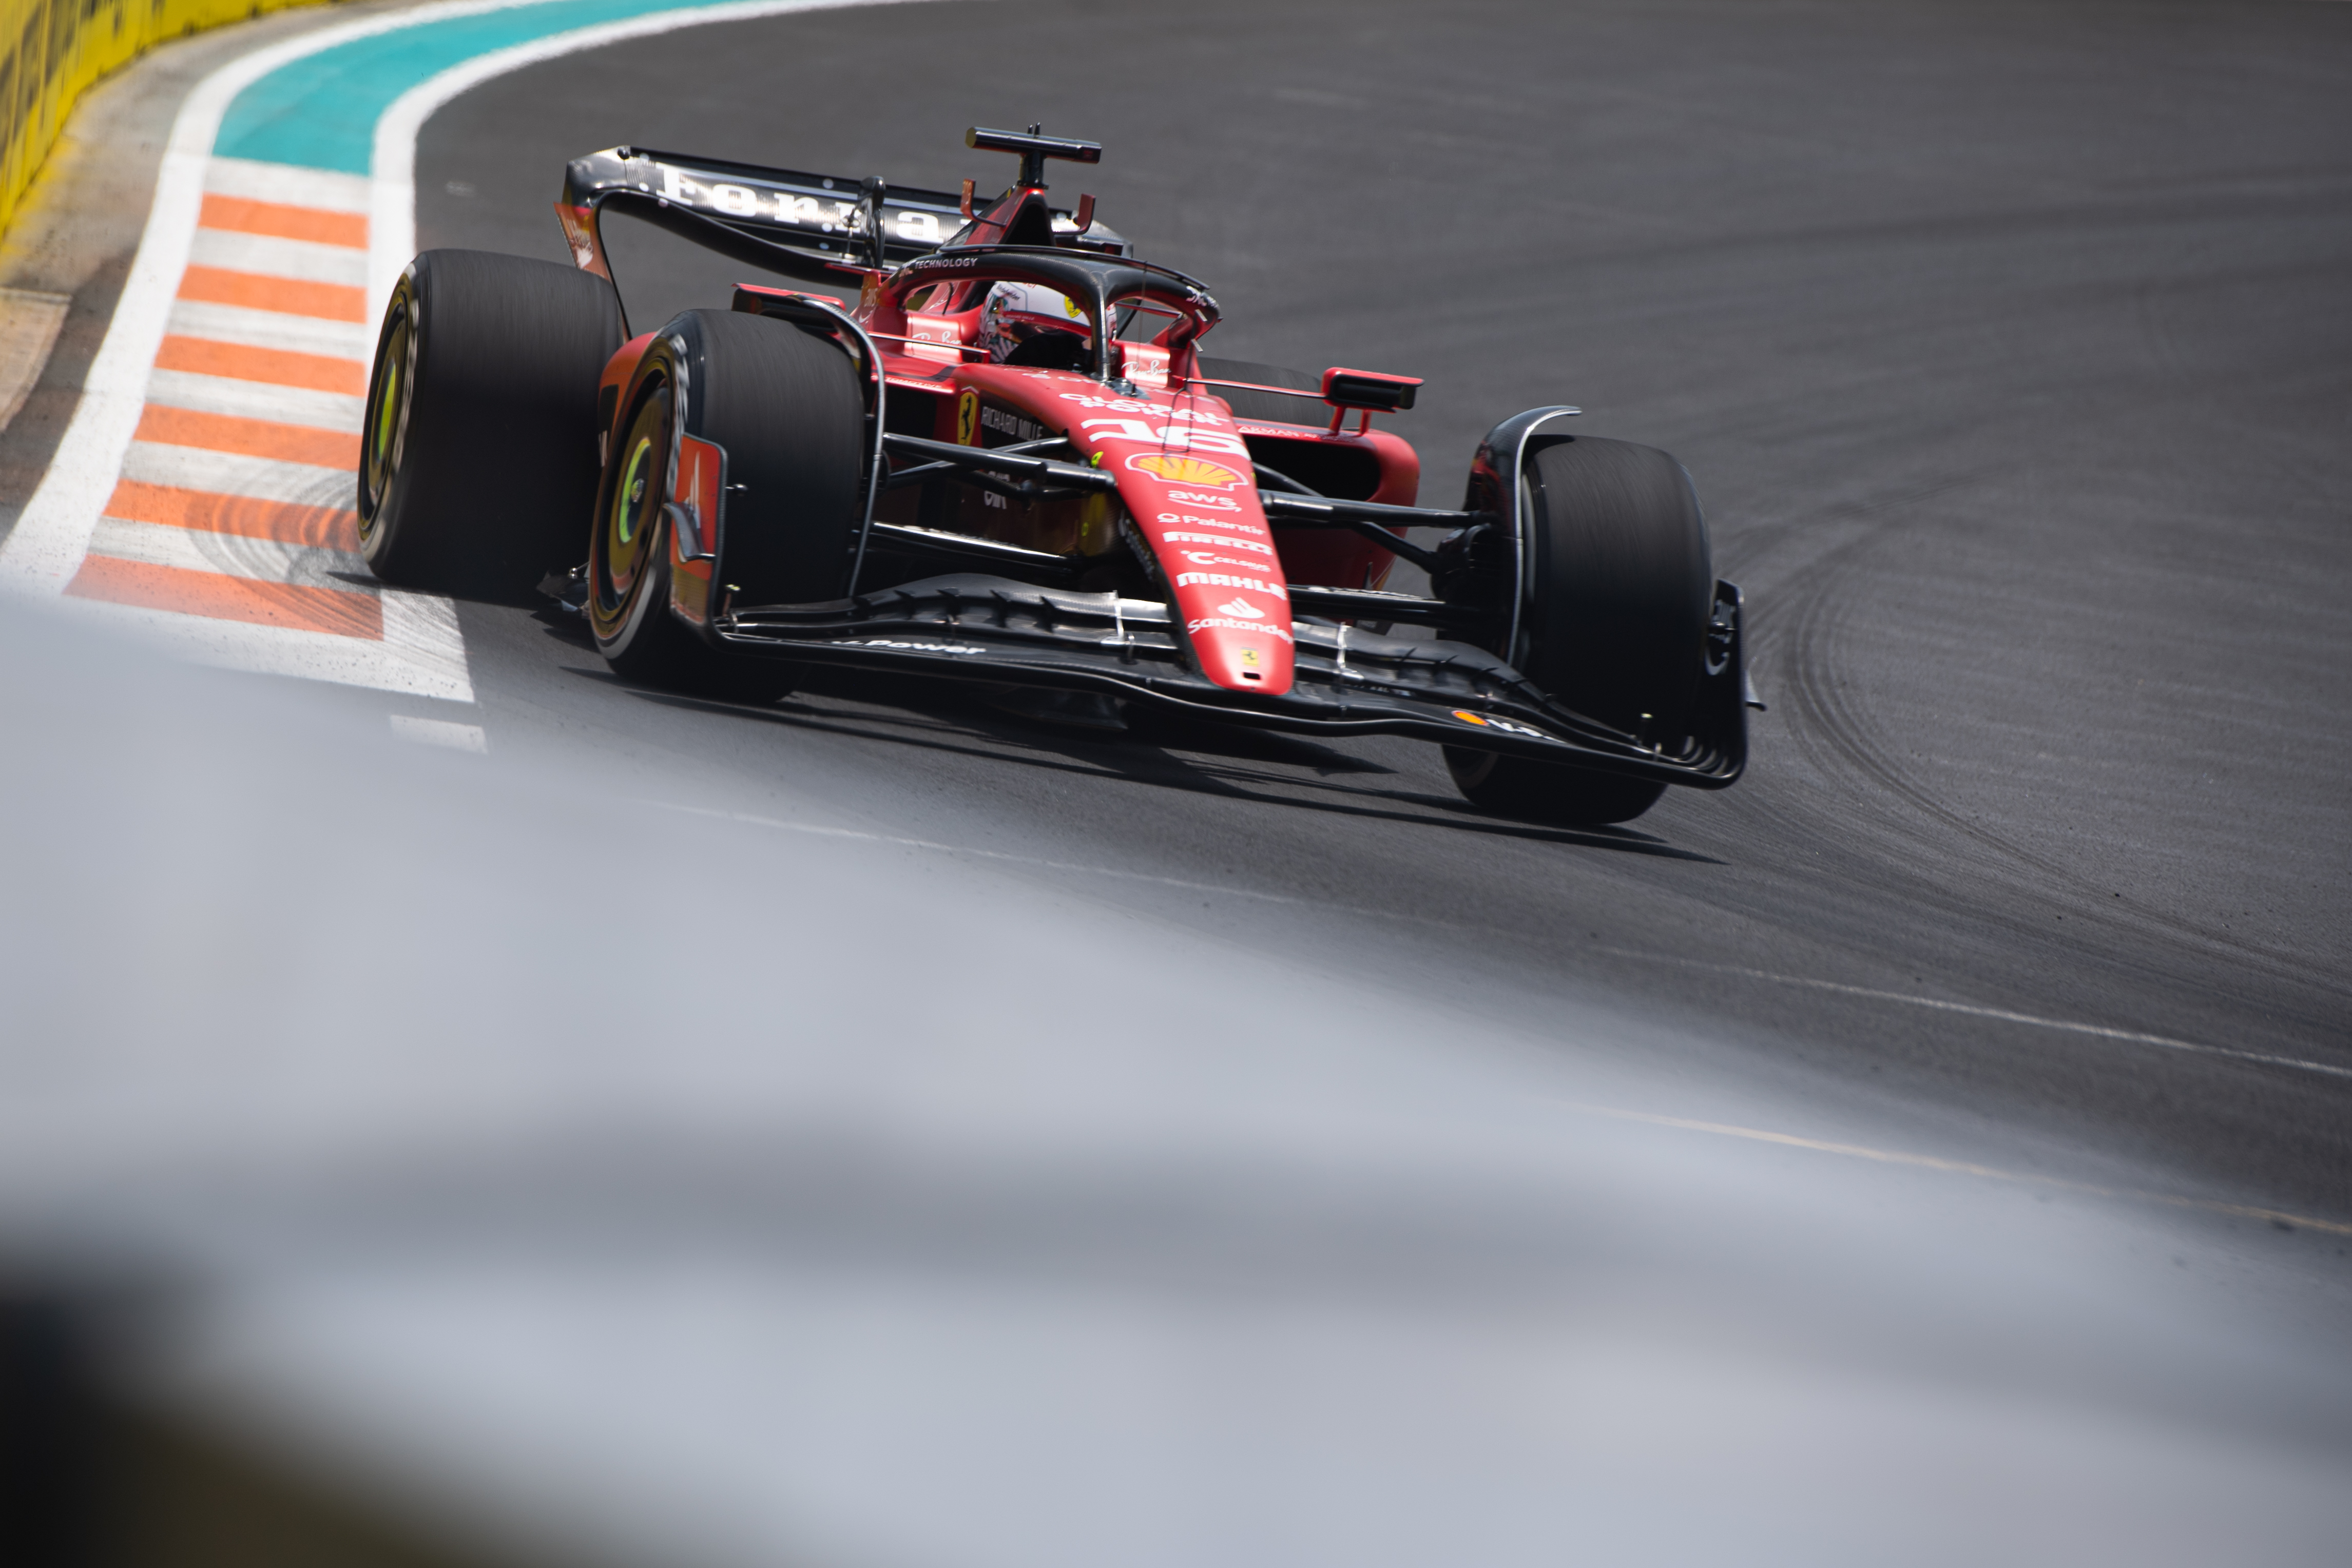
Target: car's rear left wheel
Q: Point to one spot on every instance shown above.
(477, 457)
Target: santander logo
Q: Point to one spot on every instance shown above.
(1241, 609)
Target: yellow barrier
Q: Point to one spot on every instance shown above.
(57, 48)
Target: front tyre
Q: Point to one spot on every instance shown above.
(477, 457)
(788, 410)
(1547, 792)
(628, 561)
(1621, 585)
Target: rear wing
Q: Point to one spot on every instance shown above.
(810, 226)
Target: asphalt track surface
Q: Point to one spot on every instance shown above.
(2011, 348)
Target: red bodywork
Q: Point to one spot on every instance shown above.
(1054, 492)
(1187, 505)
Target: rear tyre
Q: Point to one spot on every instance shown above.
(478, 460)
(789, 410)
(1621, 581)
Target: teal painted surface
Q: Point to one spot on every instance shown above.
(320, 112)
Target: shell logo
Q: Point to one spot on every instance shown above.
(1175, 468)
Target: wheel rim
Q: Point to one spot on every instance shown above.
(387, 415)
(628, 532)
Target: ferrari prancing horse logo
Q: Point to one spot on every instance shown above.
(967, 417)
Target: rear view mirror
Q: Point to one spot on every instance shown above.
(1369, 390)
(1366, 391)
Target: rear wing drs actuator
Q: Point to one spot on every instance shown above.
(807, 226)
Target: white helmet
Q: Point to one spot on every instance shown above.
(1017, 313)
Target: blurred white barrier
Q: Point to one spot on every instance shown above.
(618, 1185)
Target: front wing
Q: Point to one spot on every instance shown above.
(1347, 681)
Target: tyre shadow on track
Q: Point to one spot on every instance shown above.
(960, 724)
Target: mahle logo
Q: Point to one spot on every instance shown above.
(1176, 469)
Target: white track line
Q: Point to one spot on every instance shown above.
(446, 734)
(1963, 1168)
(2003, 1015)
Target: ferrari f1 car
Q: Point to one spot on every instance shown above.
(1008, 462)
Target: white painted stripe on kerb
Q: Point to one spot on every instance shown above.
(231, 555)
(257, 400)
(298, 259)
(272, 329)
(413, 659)
(288, 185)
(229, 474)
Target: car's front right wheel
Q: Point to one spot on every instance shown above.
(1622, 584)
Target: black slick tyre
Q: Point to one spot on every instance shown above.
(477, 459)
(788, 411)
(1621, 581)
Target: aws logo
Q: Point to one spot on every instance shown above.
(1208, 502)
(1176, 469)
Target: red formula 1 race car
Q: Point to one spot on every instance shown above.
(1009, 463)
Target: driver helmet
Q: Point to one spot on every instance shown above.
(1017, 313)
